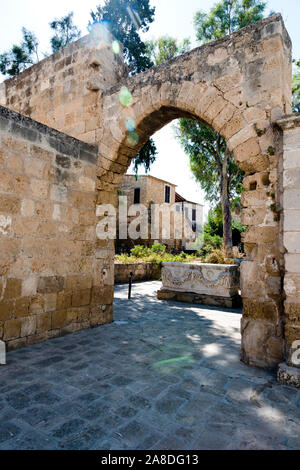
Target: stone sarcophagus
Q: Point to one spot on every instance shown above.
(210, 284)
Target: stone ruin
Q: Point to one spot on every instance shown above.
(64, 149)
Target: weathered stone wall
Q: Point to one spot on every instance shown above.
(152, 191)
(141, 272)
(291, 227)
(50, 280)
(62, 90)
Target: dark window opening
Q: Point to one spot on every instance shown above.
(194, 214)
(137, 195)
(167, 194)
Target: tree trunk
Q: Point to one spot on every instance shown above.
(226, 212)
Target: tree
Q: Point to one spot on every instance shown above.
(211, 162)
(296, 88)
(65, 32)
(214, 167)
(166, 48)
(20, 57)
(226, 17)
(125, 19)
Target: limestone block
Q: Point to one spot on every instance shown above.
(244, 135)
(262, 345)
(29, 286)
(252, 281)
(291, 199)
(28, 326)
(291, 158)
(248, 149)
(292, 263)
(291, 140)
(292, 285)
(291, 242)
(39, 188)
(291, 178)
(12, 329)
(292, 220)
(254, 114)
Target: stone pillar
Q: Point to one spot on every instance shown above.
(290, 126)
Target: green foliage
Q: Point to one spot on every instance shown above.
(140, 251)
(226, 17)
(158, 248)
(213, 230)
(125, 19)
(146, 156)
(156, 254)
(206, 149)
(296, 88)
(65, 32)
(21, 56)
(166, 48)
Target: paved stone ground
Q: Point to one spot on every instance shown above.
(164, 376)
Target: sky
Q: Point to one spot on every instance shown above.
(173, 18)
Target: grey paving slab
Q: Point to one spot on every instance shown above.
(164, 376)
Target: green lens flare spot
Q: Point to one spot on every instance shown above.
(116, 47)
(173, 360)
(125, 97)
(133, 138)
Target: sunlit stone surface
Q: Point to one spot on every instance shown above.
(208, 283)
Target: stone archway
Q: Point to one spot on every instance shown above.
(238, 85)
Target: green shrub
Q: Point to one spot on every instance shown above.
(158, 248)
(140, 251)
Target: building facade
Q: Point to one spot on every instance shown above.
(171, 219)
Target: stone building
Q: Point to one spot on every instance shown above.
(149, 191)
(56, 276)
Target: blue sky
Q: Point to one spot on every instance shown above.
(173, 17)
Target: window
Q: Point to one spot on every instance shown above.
(167, 194)
(193, 215)
(137, 196)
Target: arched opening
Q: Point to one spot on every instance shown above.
(261, 343)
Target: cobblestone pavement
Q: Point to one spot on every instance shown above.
(164, 376)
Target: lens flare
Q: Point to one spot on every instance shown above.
(173, 360)
(133, 139)
(134, 16)
(99, 31)
(125, 97)
(130, 125)
(116, 47)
